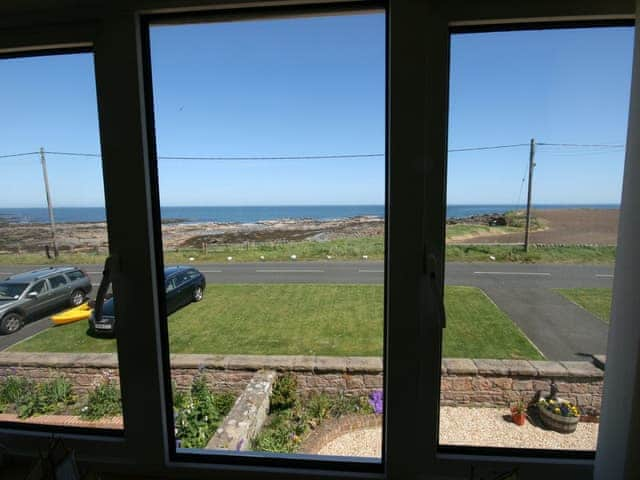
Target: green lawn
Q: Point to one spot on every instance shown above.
(303, 319)
(477, 328)
(594, 300)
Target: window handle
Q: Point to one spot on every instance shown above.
(433, 271)
(110, 268)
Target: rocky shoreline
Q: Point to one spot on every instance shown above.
(561, 226)
(92, 237)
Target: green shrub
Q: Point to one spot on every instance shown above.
(518, 219)
(286, 428)
(284, 394)
(102, 401)
(343, 404)
(48, 397)
(13, 389)
(198, 414)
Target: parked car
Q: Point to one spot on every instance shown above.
(183, 285)
(30, 295)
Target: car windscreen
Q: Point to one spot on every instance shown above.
(11, 290)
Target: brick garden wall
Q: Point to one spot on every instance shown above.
(464, 381)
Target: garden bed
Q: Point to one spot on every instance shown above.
(299, 424)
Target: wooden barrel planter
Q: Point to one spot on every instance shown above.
(557, 422)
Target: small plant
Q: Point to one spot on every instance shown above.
(376, 400)
(344, 404)
(559, 407)
(13, 389)
(518, 407)
(103, 401)
(319, 406)
(48, 397)
(287, 428)
(284, 394)
(198, 413)
(519, 413)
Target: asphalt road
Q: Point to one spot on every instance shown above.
(370, 272)
(558, 328)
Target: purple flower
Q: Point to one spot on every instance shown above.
(376, 400)
(239, 445)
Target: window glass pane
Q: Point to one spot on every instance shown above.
(271, 139)
(539, 116)
(51, 258)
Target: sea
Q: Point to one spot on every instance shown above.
(243, 214)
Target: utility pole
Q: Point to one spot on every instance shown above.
(532, 164)
(49, 205)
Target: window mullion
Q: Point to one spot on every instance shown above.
(417, 141)
(128, 201)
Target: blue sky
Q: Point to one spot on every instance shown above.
(316, 86)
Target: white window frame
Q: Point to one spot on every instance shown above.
(417, 95)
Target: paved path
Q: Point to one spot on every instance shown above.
(559, 328)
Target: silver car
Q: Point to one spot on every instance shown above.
(30, 295)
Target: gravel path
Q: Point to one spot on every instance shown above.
(361, 443)
(473, 427)
(487, 427)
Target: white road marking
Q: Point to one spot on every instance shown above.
(211, 271)
(289, 271)
(370, 271)
(6, 273)
(94, 273)
(544, 274)
(603, 275)
(95, 284)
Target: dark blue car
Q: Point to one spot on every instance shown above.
(183, 285)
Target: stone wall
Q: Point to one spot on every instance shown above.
(464, 381)
(501, 382)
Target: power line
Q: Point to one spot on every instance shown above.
(19, 154)
(288, 157)
(320, 156)
(600, 145)
(492, 147)
(283, 157)
(72, 154)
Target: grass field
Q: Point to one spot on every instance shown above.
(594, 300)
(305, 319)
(536, 254)
(463, 230)
(345, 249)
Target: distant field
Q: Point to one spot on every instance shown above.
(304, 319)
(594, 300)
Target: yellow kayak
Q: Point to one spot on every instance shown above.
(75, 314)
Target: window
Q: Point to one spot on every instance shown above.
(285, 224)
(57, 281)
(52, 216)
(131, 163)
(77, 275)
(532, 229)
(39, 287)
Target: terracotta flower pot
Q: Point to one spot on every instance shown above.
(518, 418)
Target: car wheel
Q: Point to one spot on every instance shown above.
(77, 298)
(11, 322)
(198, 294)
